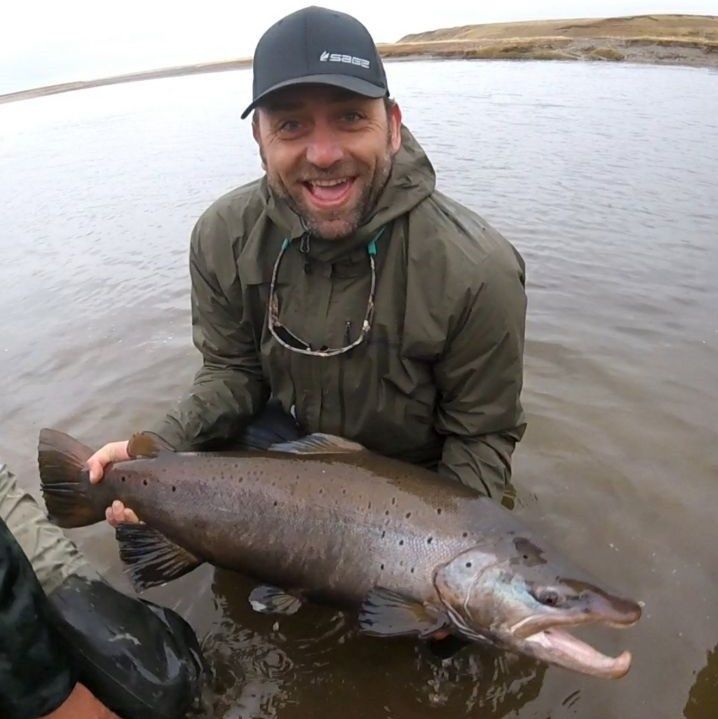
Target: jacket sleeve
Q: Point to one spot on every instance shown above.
(480, 376)
(35, 674)
(229, 389)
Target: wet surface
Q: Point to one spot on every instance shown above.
(602, 175)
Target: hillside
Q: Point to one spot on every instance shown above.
(674, 39)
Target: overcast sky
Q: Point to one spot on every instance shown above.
(49, 41)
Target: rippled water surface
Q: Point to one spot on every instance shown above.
(604, 177)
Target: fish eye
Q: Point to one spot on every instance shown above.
(549, 597)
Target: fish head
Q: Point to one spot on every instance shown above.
(513, 596)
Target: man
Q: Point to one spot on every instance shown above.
(344, 284)
(70, 645)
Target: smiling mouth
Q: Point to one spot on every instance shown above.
(331, 192)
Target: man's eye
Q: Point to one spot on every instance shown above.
(288, 127)
(353, 116)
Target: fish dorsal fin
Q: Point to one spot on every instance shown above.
(271, 426)
(147, 444)
(319, 443)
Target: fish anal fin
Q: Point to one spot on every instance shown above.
(147, 444)
(152, 558)
(318, 443)
(273, 600)
(385, 613)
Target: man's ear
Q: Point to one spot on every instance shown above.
(257, 137)
(395, 125)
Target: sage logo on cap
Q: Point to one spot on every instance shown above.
(326, 56)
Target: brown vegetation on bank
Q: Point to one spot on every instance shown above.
(675, 39)
(670, 39)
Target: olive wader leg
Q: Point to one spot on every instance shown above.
(141, 660)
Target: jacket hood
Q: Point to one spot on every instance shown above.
(412, 179)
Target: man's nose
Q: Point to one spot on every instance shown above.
(324, 148)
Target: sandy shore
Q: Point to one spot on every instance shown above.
(657, 39)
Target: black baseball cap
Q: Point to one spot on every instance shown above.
(317, 46)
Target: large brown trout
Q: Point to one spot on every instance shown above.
(324, 519)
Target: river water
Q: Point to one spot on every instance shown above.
(605, 178)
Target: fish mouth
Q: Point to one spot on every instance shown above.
(548, 639)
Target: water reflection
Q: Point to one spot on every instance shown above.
(701, 702)
(316, 662)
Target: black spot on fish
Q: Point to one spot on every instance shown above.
(408, 514)
(381, 566)
(123, 478)
(401, 542)
(174, 489)
(465, 535)
(438, 511)
(429, 540)
(369, 505)
(393, 500)
(412, 570)
(275, 503)
(383, 533)
(468, 565)
(144, 481)
(387, 512)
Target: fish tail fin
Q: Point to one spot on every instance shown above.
(153, 559)
(64, 480)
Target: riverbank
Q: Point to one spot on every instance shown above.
(658, 39)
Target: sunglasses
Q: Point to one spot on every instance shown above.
(290, 341)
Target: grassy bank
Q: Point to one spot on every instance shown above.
(670, 39)
(674, 39)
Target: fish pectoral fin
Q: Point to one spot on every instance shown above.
(388, 614)
(273, 600)
(152, 558)
(318, 443)
(147, 444)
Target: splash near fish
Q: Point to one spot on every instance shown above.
(324, 519)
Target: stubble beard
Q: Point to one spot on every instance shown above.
(343, 223)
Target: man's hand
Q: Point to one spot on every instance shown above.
(97, 464)
(81, 704)
(109, 454)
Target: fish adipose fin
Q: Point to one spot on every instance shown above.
(147, 444)
(273, 600)
(152, 558)
(319, 443)
(387, 614)
(64, 480)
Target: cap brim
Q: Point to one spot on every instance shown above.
(346, 82)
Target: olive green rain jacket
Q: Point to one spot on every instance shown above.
(437, 381)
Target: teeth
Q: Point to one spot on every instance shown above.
(328, 183)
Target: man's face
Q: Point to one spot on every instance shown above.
(328, 153)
